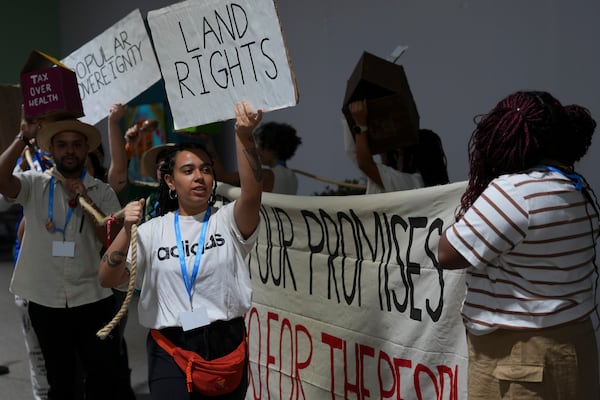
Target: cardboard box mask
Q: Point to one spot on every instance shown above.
(49, 88)
(392, 118)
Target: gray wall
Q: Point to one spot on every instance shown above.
(26, 26)
(463, 56)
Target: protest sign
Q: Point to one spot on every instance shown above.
(214, 53)
(349, 300)
(115, 67)
(49, 88)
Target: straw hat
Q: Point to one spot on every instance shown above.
(50, 129)
(148, 159)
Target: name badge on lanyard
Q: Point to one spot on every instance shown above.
(198, 317)
(62, 248)
(194, 319)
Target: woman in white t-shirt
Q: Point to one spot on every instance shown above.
(404, 168)
(194, 298)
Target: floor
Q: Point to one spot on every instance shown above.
(16, 384)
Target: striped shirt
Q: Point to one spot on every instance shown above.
(530, 240)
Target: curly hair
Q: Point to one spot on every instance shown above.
(582, 129)
(278, 137)
(519, 132)
(166, 202)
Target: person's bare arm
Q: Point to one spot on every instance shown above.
(364, 158)
(448, 257)
(117, 171)
(10, 186)
(233, 177)
(247, 206)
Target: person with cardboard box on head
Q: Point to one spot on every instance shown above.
(58, 261)
(402, 168)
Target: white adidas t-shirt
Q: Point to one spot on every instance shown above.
(222, 285)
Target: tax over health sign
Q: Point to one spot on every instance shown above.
(115, 67)
(349, 300)
(213, 53)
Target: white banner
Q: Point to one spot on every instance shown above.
(349, 300)
(214, 53)
(115, 67)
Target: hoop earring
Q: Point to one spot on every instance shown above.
(213, 196)
(172, 194)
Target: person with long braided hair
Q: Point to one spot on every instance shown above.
(526, 231)
(191, 266)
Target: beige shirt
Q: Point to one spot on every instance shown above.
(59, 281)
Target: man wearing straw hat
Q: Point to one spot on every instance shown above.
(57, 266)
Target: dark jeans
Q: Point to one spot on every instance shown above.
(165, 378)
(68, 340)
(124, 383)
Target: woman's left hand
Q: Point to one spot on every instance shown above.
(246, 118)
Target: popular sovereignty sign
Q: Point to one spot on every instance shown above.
(349, 299)
(115, 67)
(213, 53)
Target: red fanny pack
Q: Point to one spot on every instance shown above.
(212, 378)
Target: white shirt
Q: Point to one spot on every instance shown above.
(530, 240)
(222, 286)
(285, 180)
(55, 281)
(394, 180)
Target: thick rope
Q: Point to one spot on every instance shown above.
(104, 332)
(29, 159)
(100, 219)
(103, 220)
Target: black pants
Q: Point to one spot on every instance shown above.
(165, 378)
(68, 340)
(124, 383)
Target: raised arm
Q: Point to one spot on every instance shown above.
(117, 171)
(364, 158)
(10, 186)
(233, 177)
(247, 206)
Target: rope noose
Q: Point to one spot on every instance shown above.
(104, 332)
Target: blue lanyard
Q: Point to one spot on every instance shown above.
(51, 227)
(189, 282)
(575, 178)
